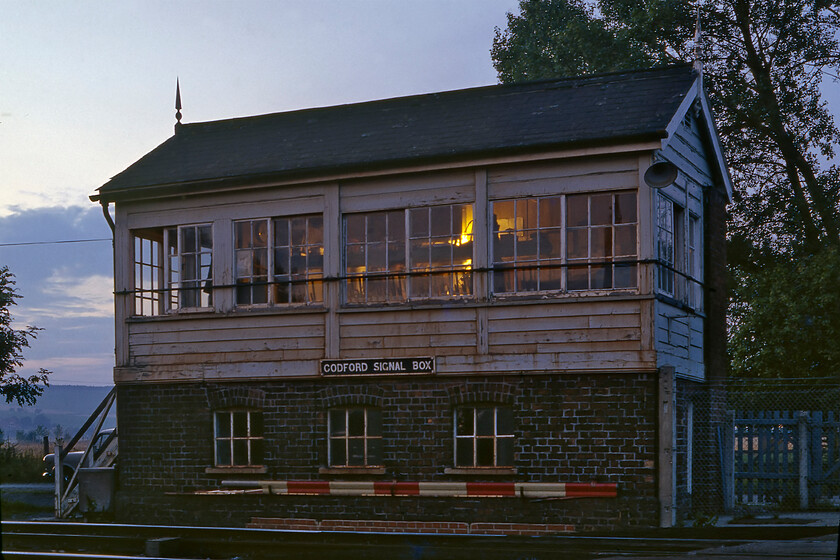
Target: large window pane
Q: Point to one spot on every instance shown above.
(148, 272)
(190, 251)
(223, 424)
(464, 452)
(356, 449)
(484, 452)
(485, 421)
(601, 227)
(439, 242)
(527, 236)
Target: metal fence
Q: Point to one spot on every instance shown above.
(765, 446)
(786, 457)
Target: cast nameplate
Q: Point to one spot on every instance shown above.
(386, 366)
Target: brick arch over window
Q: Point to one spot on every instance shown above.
(483, 392)
(362, 395)
(221, 398)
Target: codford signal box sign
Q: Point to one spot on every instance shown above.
(387, 366)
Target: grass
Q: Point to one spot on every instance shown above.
(20, 462)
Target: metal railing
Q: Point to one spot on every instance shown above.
(67, 494)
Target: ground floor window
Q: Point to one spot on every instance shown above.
(239, 438)
(483, 436)
(355, 437)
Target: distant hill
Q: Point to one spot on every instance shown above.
(67, 406)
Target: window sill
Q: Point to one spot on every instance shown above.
(478, 471)
(670, 300)
(536, 298)
(351, 470)
(235, 470)
(275, 309)
(171, 316)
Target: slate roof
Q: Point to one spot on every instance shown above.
(461, 124)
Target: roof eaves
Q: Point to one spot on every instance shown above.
(181, 188)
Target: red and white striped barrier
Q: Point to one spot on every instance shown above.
(427, 489)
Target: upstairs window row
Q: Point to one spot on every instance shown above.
(548, 244)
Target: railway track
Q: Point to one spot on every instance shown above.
(23, 540)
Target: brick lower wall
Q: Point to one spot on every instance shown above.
(568, 428)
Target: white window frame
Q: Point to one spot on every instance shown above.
(560, 256)
(668, 237)
(148, 272)
(402, 278)
(527, 269)
(252, 438)
(679, 273)
(159, 258)
(368, 437)
(474, 437)
(175, 263)
(694, 243)
(304, 288)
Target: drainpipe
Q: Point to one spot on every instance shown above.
(108, 217)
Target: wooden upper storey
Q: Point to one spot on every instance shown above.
(534, 259)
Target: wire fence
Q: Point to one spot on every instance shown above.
(760, 446)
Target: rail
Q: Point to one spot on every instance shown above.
(31, 539)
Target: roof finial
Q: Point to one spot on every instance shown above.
(177, 103)
(698, 44)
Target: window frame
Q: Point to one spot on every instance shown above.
(149, 272)
(694, 254)
(613, 262)
(679, 269)
(309, 283)
(519, 266)
(370, 436)
(400, 275)
(474, 437)
(166, 289)
(667, 244)
(250, 440)
(560, 258)
(175, 281)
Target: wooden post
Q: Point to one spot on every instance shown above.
(59, 478)
(815, 452)
(727, 466)
(481, 259)
(667, 446)
(802, 422)
(332, 270)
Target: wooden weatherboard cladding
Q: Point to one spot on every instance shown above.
(383, 366)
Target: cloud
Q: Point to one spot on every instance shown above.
(76, 296)
(65, 288)
(94, 369)
(85, 362)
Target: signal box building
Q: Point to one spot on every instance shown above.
(489, 310)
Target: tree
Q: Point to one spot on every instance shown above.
(803, 345)
(764, 62)
(13, 386)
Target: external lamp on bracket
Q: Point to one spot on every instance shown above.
(661, 174)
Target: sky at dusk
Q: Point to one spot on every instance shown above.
(87, 88)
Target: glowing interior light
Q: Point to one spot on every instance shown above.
(466, 224)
